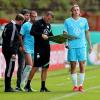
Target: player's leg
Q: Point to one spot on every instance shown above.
(35, 66)
(72, 58)
(82, 59)
(74, 75)
(43, 80)
(21, 64)
(31, 75)
(82, 75)
(10, 63)
(45, 58)
(27, 69)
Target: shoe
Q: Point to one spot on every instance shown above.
(22, 86)
(10, 90)
(18, 89)
(81, 89)
(29, 89)
(75, 88)
(44, 90)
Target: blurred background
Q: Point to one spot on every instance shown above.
(61, 8)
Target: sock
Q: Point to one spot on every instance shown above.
(43, 84)
(25, 74)
(82, 75)
(28, 83)
(74, 79)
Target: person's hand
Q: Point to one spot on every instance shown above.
(45, 37)
(64, 32)
(13, 56)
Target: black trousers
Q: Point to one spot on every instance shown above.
(10, 64)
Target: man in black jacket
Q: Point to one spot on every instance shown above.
(41, 30)
(10, 47)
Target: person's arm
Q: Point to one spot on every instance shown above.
(36, 33)
(35, 30)
(21, 36)
(51, 34)
(88, 40)
(4, 31)
(21, 47)
(65, 31)
(6, 34)
(66, 44)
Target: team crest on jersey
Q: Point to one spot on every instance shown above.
(45, 31)
(81, 24)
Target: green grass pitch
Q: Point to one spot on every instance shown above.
(60, 84)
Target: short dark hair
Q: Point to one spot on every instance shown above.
(33, 12)
(19, 17)
(25, 11)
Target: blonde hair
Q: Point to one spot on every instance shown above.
(19, 17)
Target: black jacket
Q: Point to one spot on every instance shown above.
(6, 35)
(39, 28)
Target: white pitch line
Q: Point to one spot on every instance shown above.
(74, 93)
